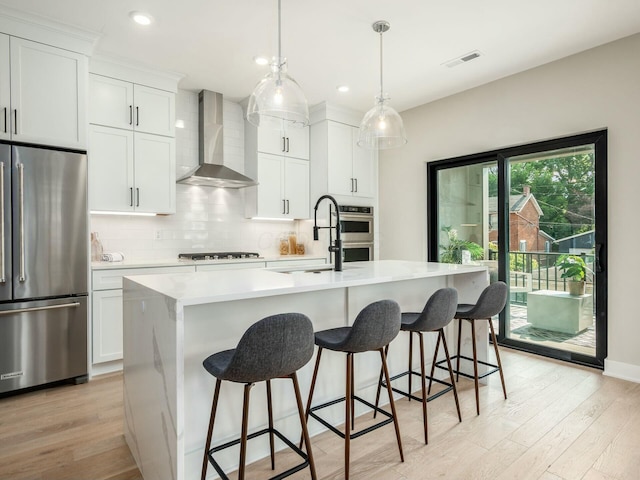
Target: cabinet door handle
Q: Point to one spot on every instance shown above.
(137, 197)
(284, 206)
(356, 180)
(15, 121)
(130, 114)
(352, 185)
(5, 119)
(287, 207)
(131, 196)
(287, 144)
(137, 117)
(284, 144)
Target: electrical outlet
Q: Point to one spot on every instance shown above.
(158, 235)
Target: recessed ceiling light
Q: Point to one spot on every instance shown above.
(342, 88)
(141, 18)
(261, 60)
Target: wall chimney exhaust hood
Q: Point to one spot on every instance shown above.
(212, 171)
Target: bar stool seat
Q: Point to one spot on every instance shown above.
(491, 302)
(437, 313)
(274, 347)
(373, 329)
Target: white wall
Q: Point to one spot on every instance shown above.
(598, 88)
(206, 219)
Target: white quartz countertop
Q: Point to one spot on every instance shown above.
(221, 286)
(174, 262)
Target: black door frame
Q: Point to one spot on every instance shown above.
(599, 140)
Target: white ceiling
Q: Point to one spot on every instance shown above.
(331, 42)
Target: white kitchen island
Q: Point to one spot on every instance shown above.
(173, 322)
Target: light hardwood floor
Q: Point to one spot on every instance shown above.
(560, 422)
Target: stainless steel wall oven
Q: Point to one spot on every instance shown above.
(356, 225)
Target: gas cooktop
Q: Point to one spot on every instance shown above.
(218, 255)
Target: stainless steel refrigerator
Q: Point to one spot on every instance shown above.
(43, 266)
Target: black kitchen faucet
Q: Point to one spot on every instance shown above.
(336, 248)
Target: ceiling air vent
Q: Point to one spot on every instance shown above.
(467, 57)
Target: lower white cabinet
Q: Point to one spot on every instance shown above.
(107, 326)
(106, 311)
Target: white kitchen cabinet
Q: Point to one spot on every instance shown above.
(131, 172)
(5, 88)
(351, 169)
(283, 191)
(120, 104)
(42, 93)
(279, 139)
(154, 173)
(106, 311)
(107, 325)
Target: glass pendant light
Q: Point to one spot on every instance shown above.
(278, 96)
(381, 127)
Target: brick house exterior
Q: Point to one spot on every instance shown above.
(524, 222)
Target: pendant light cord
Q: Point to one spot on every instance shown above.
(279, 33)
(381, 89)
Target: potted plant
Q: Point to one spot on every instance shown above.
(574, 269)
(452, 253)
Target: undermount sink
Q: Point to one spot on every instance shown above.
(327, 268)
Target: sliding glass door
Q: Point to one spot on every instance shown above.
(535, 215)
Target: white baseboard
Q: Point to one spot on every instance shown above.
(104, 368)
(624, 371)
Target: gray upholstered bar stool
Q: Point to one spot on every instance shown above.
(373, 329)
(437, 314)
(274, 347)
(491, 302)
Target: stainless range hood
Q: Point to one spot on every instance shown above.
(212, 172)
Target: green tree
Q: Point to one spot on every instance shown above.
(563, 186)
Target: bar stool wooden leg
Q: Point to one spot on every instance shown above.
(495, 346)
(458, 353)
(214, 407)
(424, 390)
(433, 364)
(475, 364)
(453, 384)
(410, 358)
(353, 392)
(393, 404)
(312, 388)
(303, 424)
(347, 416)
(245, 428)
(270, 412)
(375, 412)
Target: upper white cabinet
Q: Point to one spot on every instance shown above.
(131, 172)
(278, 139)
(120, 104)
(42, 93)
(278, 158)
(283, 191)
(339, 165)
(351, 169)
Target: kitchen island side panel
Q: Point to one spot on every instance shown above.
(153, 378)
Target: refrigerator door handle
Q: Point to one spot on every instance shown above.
(2, 257)
(36, 309)
(22, 276)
